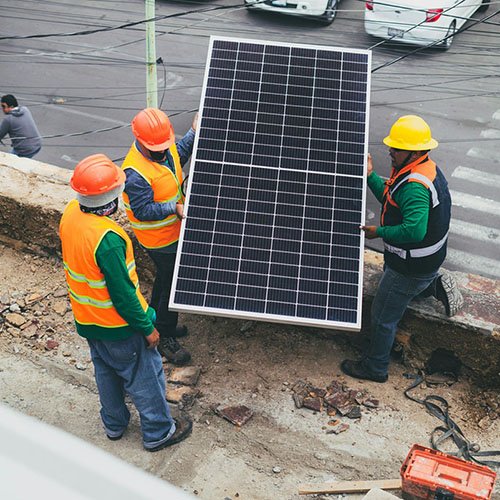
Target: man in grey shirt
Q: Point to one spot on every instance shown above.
(19, 124)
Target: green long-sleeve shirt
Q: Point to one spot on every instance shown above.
(110, 257)
(413, 201)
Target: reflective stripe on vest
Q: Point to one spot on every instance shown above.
(88, 293)
(166, 188)
(416, 252)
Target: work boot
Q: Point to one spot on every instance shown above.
(173, 351)
(448, 293)
(183, 428)
(180, 331)
(356, 369)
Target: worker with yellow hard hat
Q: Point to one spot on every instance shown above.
(110, 310)
(154, 203)
(414, 224)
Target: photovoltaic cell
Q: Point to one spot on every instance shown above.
(277, 186)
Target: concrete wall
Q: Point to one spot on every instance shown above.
(33, 196)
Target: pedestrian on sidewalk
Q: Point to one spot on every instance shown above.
(21, 128)
(414, 224)
(110, 311)
(154, 203)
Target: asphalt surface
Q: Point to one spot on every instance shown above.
(83, 90)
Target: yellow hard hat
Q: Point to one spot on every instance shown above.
(410, 133)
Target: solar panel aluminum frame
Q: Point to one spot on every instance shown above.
(266, 316)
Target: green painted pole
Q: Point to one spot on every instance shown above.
(151, 79)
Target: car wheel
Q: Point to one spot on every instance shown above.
(446, 44)
(330, 12)
(484, 5)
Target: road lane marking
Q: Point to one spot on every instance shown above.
(475, 231)
(477, 176)
(484, 153)
(475, 264)
(466, 200)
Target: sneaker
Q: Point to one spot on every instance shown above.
(183, 428)
(356, 369)
(114, 438)
(448, 293)
(173, 351)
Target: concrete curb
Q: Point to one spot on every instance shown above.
(34, 194)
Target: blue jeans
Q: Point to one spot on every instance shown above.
(394, 293)
(128, 366)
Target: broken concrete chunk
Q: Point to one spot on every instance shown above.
(237, 415)
(51, 344)
(339, 429)
(181, 394)
(15, 319)
(60, 307)
(313, 403)
(186, 375)
(354, 412)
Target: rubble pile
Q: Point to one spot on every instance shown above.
(36, 319)
(336, 399)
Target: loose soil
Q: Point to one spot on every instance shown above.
(45, 371)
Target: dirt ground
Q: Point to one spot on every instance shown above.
(45, 371)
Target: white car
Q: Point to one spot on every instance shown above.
(322, 10)
(422, 22)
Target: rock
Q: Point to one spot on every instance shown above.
(339, 429)
(276, 470)
(81, 366)
(30, 331)
(181, 394)
(60, 292)
(237, 415)
(51, 344)
(34, 297)
(5, 299)
(313, 403)
(60, 307)
(14, 308)
(15, 319)
(186, 375)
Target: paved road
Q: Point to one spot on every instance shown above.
(83, 90)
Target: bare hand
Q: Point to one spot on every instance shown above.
(153, 339)
(195, 122)
(370, 232)
(179, 210)
(369, 164)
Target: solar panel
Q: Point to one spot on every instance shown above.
(277, 186)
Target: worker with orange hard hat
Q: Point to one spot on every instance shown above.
(414, 224)
(154, 203)
(110, 310)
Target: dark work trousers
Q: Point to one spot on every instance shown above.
(166, 321)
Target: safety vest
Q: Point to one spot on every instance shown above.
(427, 255)
(166, 188)
(81, 234)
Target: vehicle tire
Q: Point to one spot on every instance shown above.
(484, 6)
(330, 12)
(446, 44)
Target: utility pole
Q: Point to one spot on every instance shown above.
(151, 80)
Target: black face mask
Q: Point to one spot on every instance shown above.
(158, 156)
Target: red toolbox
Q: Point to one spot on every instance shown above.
(431, 474)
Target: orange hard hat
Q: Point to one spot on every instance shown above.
(96, 175)
(153, 129)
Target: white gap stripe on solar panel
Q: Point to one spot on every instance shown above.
(277, 186)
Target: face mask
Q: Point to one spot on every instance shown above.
(158, 156)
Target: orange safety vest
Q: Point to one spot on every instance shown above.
(81, 233)
(166, 188)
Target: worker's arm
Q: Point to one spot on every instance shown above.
(4, 128)
(141, 199)
(185, 146)
(110, 256)
(413, 200)
(376, 185)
